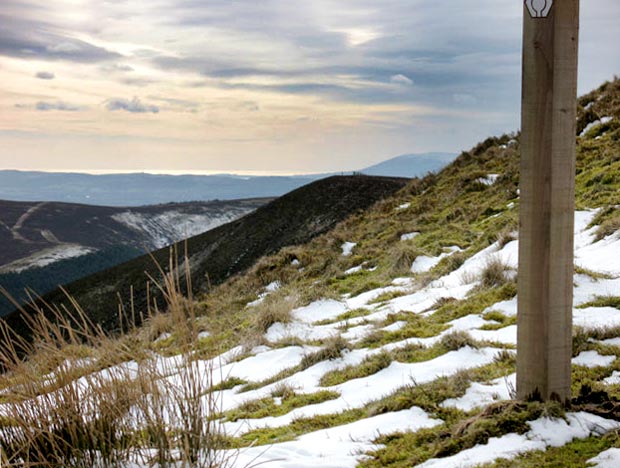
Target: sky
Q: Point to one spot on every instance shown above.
(265, 86)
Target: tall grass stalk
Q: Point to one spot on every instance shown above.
(74, 396)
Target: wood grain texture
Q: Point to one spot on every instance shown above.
(547, 203)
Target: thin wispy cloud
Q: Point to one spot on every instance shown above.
(401, 79)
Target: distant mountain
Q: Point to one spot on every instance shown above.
(411, 165)
(149, 189)
(140, 189)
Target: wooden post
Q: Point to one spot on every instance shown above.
(547, 187)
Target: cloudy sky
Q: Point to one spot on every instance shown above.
(281, 86)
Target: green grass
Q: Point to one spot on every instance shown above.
(348, 315)
(591, 273)
(575, 454)
(410, 449)
(387, 296)
(501, 319)
(297, 428)
(416, 327)
(407, 354)
(262, 408)
(370, 365)
(603, 301)
(228, 384)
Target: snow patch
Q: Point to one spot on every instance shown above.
(347, 248)
(324, 309)
(478, 394)
(490, 179)
(607, 459)
(423, 263)
(353, 270)
(506, 335)
(596, 123)
(171, 226)
(543, 433)
(611, 342)
(337, 447)
(593, 359)
(47, 257)
(613, 379)
(596, 317)
(409, 236)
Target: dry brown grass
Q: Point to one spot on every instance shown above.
(332, 349)
(494, 273)
(77, 397)
(401, 256)
(505, 236)
(273, 309)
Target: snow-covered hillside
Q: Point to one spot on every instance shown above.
(47, 257)
(286, 367)
(342, 446)
(39, 234)
(172, 226)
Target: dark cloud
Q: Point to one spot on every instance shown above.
(133, 106)
(43, 75)
(24, 38)
(360, 51)
(58, 106)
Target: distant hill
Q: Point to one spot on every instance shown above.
(36, 234)
(140, 189)
(411, 165)
(43, 245)
(149, 189)
(230, 249)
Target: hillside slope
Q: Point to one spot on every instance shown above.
(387, 341)
(37, 234)
(229, 249)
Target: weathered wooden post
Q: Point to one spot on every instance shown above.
(549, 94)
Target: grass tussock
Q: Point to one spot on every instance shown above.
(332, 349)
(401, 257)
(370, 365)
(267, 407)
(273, 309)
(494, 273)
(602, 301)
